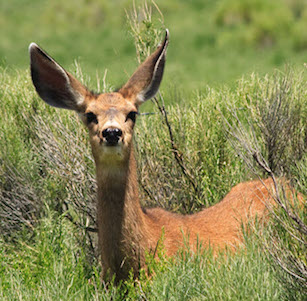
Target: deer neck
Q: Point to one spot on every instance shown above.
(117, 184)
(121, 228)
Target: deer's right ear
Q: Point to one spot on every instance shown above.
(54, 85)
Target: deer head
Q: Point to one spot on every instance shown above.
(109, 117)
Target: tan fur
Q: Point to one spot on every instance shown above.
(125, 230)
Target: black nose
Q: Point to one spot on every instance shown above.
(112, 135)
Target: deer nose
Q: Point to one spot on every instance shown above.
(112, 135)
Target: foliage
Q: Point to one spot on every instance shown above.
(202, 50)
(286, 241)
(49, 163)
(262, 23)
(144, 30)
(49, 265)
(275, 113)
(273, 138)
(39, 168)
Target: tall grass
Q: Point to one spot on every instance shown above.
(272, 137)
(48, 265)
(46, 165)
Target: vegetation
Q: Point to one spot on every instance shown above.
(47, 186)
(212, 42)
(50, 266)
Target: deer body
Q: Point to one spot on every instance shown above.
(125, 230)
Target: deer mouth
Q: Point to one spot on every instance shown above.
(112, 147)
(112, 144)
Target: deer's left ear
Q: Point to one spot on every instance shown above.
(145, 81)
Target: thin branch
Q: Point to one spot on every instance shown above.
(78, 225)
(301, 225)
(177, 154)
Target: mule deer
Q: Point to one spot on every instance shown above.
(126, 231)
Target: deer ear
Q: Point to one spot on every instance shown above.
(54, 85)
(145, 81)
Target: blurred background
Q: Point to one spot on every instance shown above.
(212, 41)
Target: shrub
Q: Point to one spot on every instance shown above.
(272, 136)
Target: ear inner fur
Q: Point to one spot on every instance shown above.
(145, 81)
(55, 86)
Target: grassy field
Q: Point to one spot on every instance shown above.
(212, 42)
(46, 168)
(52, 267)
(219, 81)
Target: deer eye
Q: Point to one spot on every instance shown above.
(91, 117)
(132, 116)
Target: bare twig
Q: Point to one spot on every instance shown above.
(177, 154)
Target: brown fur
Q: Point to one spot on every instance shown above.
(125, 230)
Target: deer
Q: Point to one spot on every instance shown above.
(126, 231)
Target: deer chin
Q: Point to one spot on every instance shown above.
(108, 154)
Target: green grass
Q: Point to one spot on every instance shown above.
(50, 265)
(46, 165)
(212, 42)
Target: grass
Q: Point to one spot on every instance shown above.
(205, 48)
(46, 164)
(50, 265)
